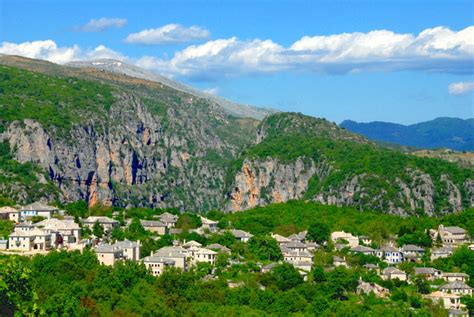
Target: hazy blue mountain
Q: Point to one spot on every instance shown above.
(452, 133)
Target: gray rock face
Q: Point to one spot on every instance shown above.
(133, 157)
(259, 182)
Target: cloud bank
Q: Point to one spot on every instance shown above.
(168, 34)
(102, 24)
(436, 49)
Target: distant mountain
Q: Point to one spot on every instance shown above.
(229, 107)
(452, 133)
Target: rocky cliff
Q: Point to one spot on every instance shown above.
(117, 140)
(346, 171)
(161, 150)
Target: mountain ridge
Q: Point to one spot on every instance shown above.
(133, 71)
(443, 132)
(117, 140)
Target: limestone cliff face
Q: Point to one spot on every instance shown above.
(260, 182)
(134, 157)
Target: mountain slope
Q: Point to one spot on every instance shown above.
(118, 140)
(314, 160)
(118, 67)
(114, 139)
(452, 133)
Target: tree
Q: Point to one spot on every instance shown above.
(318, 232)
(135, 230)
(285, 276)
(264, 248)
(98, 230)
(188, 221)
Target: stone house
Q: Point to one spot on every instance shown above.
(108, 224)
(37, 209)
(391, 273)
(154, 226)
(455, 277)
(63, 232)
(29, 240)
(457, 287)
(428, 273)
(390, 255)
(241, 235)
(353, 241)
(108, 254)
(10, 213)
(168, 219)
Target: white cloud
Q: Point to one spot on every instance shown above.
(98, 25)
(168, 34)
(438, 49)
(433, 50)
(212, 90)
(48, 50)
(461, 88)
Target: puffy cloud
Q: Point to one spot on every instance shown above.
(98, 25)
(438, 49)
(168, 34)
(433, 50)
(461, 88)
(48, 50)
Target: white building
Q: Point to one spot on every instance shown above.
(63, 232)
(390, 255)
(37, 209)
(353, 241)
(108, 224)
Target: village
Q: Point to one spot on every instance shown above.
(40, 228)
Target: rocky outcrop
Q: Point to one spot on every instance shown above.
(260, 182)
(134, 157)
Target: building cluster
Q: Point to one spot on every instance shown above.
(54, 230)
(41, 236)
(447, 240)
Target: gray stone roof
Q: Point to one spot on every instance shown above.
(101, 220)
(362, 249)
(425, 270)
(241, 234)
(107, 248)
(152, 223)
(38, 206)
(455, 285)
(392, 270)
(455, 230)
(126, 244)
(159, 259)
(412, 248)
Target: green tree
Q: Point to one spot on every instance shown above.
(98, 230)
(264, 248)
(285, 276)
(318, 232)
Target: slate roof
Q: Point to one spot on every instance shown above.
(38, 206)
(362, 249)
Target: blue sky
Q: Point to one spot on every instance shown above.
(289, 55)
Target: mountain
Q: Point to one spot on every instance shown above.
(452, 133)
(299, 157)
(118, 67)
(108, 138)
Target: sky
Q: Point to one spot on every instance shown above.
(398, 61)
